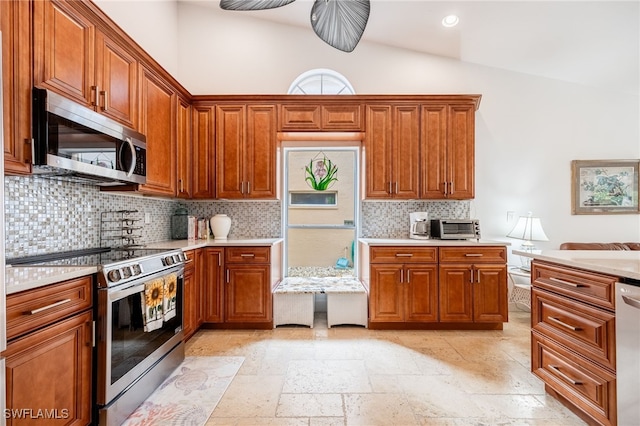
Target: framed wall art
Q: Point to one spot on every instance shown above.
(604, 186)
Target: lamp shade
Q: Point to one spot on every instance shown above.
(528, 228)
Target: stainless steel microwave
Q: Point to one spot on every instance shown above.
(455, 229)
(74, 142)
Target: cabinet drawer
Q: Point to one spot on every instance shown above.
(587, 330)
(469, 254)
(403, 255)
(247, 254)
(33, 309)
(587, 386)
(588, 287)
(190, 264)
(342, 117)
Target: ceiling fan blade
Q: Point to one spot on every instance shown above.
(340, 23)
(253, 4)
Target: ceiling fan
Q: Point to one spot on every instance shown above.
(339, 23)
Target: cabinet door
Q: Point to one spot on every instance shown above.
(203, 161)
(184, 151)
(260, 153)
(490, 293)
(64, 48)
(199, 265)
(230, 146)
(116, 80)
(189, 319)
(213, 286)
(248, 294)
(421, 284)
(17, 71)
(461, 152)
(433, 155)
(456, 293)
(378, 152)
(51, 369)
(386, 297)
(157, 122)
(406, 149)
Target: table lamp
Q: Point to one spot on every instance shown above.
(528, 229)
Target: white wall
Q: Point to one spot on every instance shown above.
(528, 128)
(153, 24)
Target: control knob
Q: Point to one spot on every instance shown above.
(113, 275)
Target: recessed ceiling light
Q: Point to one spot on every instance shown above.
(450, 21)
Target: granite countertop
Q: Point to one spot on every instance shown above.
(613, 262)
(429, 242)
(21, 278)
(195, 244)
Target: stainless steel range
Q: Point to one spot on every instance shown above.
(138, 317)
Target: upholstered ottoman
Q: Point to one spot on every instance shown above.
(293, 302)
(346, 301)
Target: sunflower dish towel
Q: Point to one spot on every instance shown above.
(153, 304)
(170, 286)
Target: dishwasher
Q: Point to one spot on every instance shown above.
(628, 352)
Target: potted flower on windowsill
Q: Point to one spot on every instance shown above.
(323, 175)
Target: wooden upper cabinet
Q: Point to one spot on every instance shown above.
(315, 117)
(16, 27)
(246, 151)
(184, 150)
(73, 58)
(392, 143)
(203, 148)
(157, 122)
(116, 81)
(448, 157)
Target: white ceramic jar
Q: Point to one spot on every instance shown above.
(220, 226)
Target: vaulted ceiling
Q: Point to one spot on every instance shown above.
(596, 43)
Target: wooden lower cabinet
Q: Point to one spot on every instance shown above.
(404, 293)
(213, 285)
(247, 294)
(573, 339)
(437, 287)
(49, 373)
(191, 296)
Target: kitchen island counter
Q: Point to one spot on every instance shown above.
(621, 263)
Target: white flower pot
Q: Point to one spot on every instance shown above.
(220, 225)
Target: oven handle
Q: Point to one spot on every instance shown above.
(137, 286)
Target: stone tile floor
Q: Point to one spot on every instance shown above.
(354, 376)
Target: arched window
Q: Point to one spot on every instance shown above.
(321, 81)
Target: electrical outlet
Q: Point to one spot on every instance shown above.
(510, 216)
(147, 218)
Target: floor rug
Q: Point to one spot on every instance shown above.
(189, 395)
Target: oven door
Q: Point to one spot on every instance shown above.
(125, 350)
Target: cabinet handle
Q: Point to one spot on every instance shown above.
(451, 188)
(105, 105)
(227, 276)
(564, 376)
(404, 254)
(478, 280)
(631, 301)
(248, 188)
(473, 254)
(408, 276)
(219, 260)
(53, 305)
(181, 185)
(242, 187)
(401, 276)
(390, 188)
(445, 188)
(93, 334)
(96, 90)
(471, 276)
(396, 187)
(559, 281)
(564, 324)
(247, 255)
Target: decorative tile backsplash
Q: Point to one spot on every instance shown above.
(45, 215)
(390, 219)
